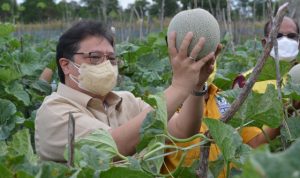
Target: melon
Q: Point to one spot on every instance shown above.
(295, 74)
(202, 24)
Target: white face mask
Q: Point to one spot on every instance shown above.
(287, 49)
(98, 79)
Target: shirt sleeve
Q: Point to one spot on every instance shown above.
(248, 133)
(51, 131)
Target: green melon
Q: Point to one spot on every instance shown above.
(202, 24)
(295, 74)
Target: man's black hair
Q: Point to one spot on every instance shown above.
(68, 43)
(267, 27)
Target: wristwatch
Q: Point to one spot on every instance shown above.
(201, 92)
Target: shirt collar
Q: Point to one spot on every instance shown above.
(83, 99)
(212, 89)
(72, 94)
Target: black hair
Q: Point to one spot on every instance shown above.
(267, 27)
(68, 43)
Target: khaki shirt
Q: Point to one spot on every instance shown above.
(51, 124)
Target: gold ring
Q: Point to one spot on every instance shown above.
(192, 58)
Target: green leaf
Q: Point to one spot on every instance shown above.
(264, 109)
(216, 166)
(134, 164)
(7, 128)
(101, 140)
(42, 86)
(153, 127)
(264, 164)
(52, 169)
(292, 132)
(5, 173)
(160, 108)
(21, 145)
(269, 70)
(94, 158)
(7, 120)
(84, 173)
(6, 29)
(8, 75)
(17, 90)
(291, 89)
(226, 137)
(3, 148)
(23, 174)
(155, 122)
(7, 109)
(124, 173)
(267, 109)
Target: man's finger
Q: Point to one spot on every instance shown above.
(210, 58)
(172, 44)
(198, 47)
(185, 44)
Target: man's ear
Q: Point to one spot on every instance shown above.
(64, 64)
(263, 42)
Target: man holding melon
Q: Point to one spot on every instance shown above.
(88, 69)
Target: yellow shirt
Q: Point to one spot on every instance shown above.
(211, 110)
(51, 124)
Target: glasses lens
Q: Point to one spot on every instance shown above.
(293, 36)
(279, 35)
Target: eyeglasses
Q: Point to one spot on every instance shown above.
(293, 36)
(98, 57)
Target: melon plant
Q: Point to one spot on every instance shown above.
(202, 24)
(295, 74)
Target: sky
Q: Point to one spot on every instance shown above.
(123, 3)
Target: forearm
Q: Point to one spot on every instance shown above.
(188, 121)
(261, 138)
(127, 135)
(174, 98)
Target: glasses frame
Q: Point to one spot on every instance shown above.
(100, 58)
(293, 36)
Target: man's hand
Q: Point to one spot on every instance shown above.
(208, 67)
(186, 71)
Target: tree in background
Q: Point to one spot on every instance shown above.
(171, 7)
(8, 10)
(69, 11)
(101, 8)
(39, 10)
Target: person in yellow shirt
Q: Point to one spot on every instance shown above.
(214, 107)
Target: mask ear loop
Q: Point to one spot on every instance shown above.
(77, 66)
(74, 78)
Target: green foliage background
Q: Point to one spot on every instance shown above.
(145, 70)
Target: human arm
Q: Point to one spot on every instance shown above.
(186, 74)
(46, 75)
(261, 138)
